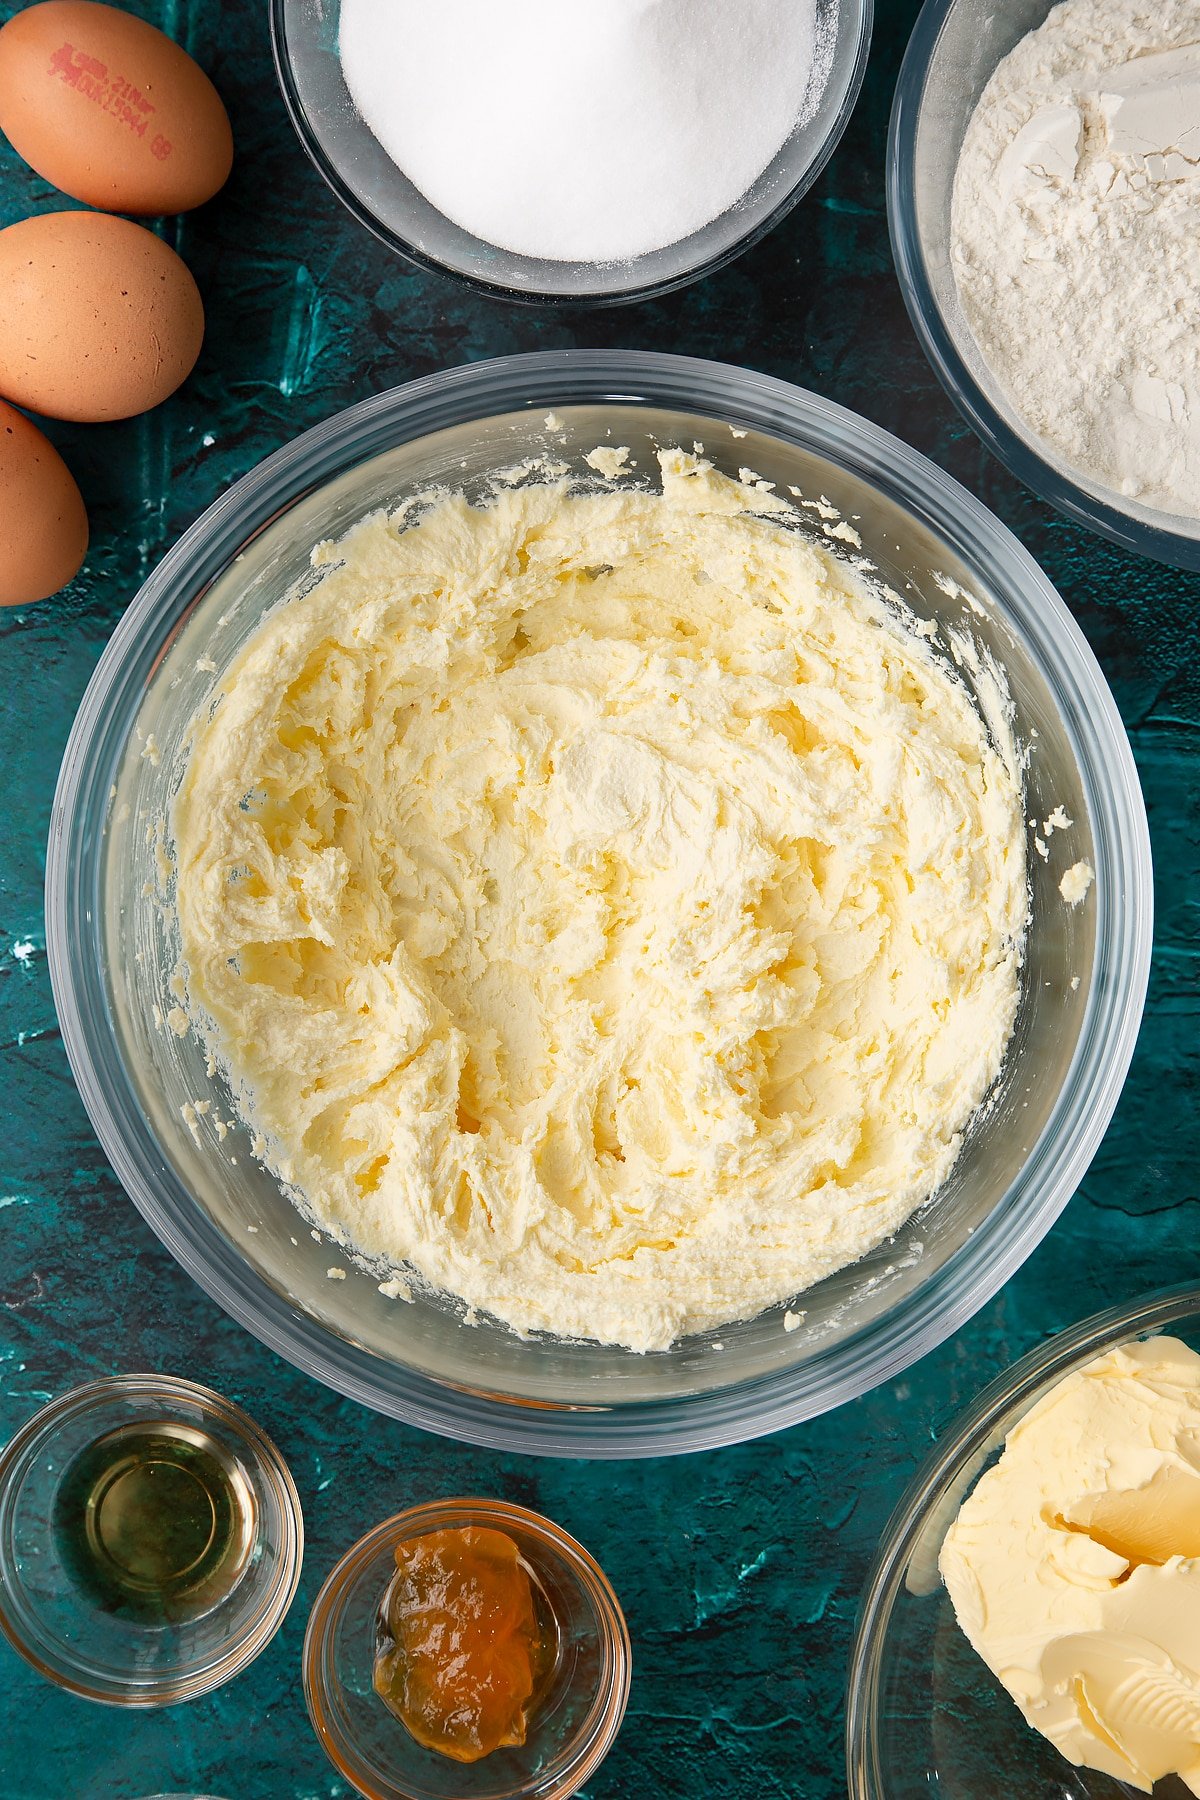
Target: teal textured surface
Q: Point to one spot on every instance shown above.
(739, 1570)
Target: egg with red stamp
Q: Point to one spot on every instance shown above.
(110, 110)
(43, 525)
(100, 319)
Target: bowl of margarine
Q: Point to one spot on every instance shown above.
(1031, 1624)
(599, 903)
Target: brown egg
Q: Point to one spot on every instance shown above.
(99, 319)
(43, 527)
(110, 110)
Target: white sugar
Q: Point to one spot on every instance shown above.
(589, 130)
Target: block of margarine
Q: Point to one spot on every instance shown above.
(1074, 1565)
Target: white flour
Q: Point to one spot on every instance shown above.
(573, 130)
(1076, 241)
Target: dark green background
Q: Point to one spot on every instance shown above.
(739, 1570)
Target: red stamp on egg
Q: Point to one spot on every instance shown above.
(113, 94)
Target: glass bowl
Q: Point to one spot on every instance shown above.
(368, 183)
(951, 56)
(926, 1719)
(572, 1726)
(112, 946)
(84, 1637)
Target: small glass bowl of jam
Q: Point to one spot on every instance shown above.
(150, 1540)
(466, 1650)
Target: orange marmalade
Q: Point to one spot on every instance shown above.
(462, 1647)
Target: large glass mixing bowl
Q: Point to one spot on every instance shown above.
(112, 946)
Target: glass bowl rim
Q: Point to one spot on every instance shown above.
(329, 172)
(595, 1734)
(1019, 454)
(1122, 894)
(258, 1630)
(966, 1435)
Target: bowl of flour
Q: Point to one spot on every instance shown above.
(1044, 199)
(549, 153)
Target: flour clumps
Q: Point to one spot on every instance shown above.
(1075, 225)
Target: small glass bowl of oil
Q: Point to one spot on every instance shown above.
(574, 1713)
(150, 1540)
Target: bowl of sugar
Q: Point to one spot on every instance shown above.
(549, 153)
